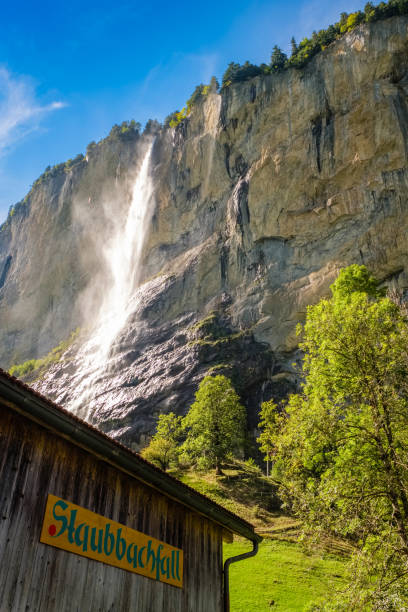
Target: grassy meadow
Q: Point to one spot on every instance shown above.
(283, 575)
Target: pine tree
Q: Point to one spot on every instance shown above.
(278, 59)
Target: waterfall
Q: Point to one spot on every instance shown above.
(122, 258)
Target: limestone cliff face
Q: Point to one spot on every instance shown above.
(50, 250)
(261, 195)
(302, 173)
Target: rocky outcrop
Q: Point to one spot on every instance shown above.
(50, 248)
(261, 195)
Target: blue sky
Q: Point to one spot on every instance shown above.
(70, 70)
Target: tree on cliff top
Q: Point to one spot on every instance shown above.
(293, 46)
(215, 423)
(341, 446)
(278, 59)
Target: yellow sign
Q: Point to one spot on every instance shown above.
(91, 535)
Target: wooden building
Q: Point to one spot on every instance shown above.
(86, 525)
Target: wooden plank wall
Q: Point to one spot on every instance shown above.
(37, 577)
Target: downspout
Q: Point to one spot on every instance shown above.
(251, 553)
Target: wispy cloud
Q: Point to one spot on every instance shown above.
(20, 109)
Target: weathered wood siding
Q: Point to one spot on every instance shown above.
(36, 577)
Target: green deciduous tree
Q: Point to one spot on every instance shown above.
(341, 446)
(353, 20)
(215, 423)
(269, 426)
(164, 446)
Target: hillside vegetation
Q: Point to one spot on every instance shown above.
(301, 54)
(338, 447)
(244, 490)
(284, 575)
(32, 369)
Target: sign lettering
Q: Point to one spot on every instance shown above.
(91, 535)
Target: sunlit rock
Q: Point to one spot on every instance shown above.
(258, 198)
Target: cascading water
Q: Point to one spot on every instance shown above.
(122, 255)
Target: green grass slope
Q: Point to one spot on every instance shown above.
(283, 575)
(243, 490)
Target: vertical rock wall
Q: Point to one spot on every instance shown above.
(261, 196)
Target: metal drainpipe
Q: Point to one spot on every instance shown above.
(227, 563)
